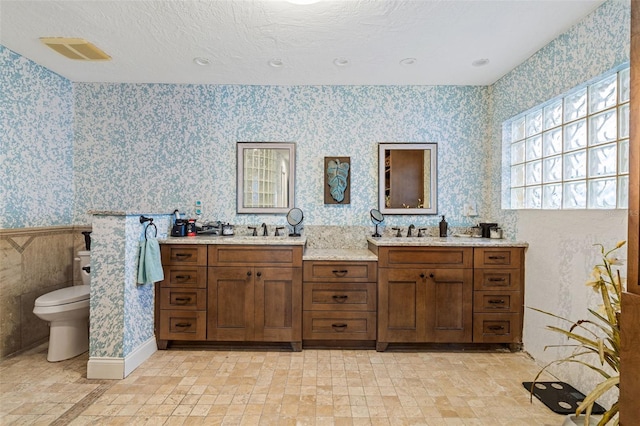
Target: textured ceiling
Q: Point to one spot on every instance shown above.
(156, 41)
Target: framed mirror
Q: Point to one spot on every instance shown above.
(407, 178)
(266, 177)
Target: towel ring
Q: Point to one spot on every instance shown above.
(155, 229)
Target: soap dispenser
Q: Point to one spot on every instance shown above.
(443, 227)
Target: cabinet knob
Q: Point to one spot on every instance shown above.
(422, 275)
(259, 273)
(248, 273)
(431, 275)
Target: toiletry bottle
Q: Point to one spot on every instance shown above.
(443, 227)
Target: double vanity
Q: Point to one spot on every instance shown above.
(245, 290)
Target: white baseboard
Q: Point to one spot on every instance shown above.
(119, 368)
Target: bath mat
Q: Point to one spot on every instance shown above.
(560, 397)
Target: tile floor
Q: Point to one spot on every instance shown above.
(313, 387)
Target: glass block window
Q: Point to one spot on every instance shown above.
(573, 152)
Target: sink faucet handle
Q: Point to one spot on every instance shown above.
(278, 228)
(421, 232)
(411, 228)
(254, 233)
(399, 233)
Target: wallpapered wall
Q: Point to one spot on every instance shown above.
(36, 144)
(152, 147)
(561, 252)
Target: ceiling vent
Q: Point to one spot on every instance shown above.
(75, 48)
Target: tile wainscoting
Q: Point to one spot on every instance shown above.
(33, 261)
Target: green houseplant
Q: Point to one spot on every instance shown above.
(596, 340)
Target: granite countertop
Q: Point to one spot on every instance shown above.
(339, 254)
(445, 242)
(237, 239)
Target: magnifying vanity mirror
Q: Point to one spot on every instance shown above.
(407, 178)
(266, 173)
(377, 218)
(294, 217)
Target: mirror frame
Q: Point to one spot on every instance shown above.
(240, 147)
(433, 188)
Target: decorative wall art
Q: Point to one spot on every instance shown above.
(337, 188)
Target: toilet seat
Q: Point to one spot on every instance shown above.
(64, 296)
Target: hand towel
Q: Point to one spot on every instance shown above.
(149, 261)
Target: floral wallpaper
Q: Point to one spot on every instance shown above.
(161, 147)
(36, 144)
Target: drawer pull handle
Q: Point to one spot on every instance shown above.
(497, 280)
(183, 255)
(183, 324)
(339, 327)
(497, 301)
(496, 327)
(183, 277)
(497, 257)
(182, 300)
(340, 272)
(340, 298)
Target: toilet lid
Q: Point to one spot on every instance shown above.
(64, 296)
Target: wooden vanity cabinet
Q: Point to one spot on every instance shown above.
(339, 302)
(255, 294)
(498, 295)
(425, 295)
(181, 298)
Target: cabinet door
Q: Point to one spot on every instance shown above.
(230, 299)
(401, 305)
(449, 305)
(278, 304)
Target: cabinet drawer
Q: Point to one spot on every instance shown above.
(194, 255)
(183, 299)
(497, 257)
(492, 301)
(339, 297)
(433, 257)
(326, 325)
(241, 255)
(183, 325)
(497, 328)
(497, 279)
(340, 271)
(185, 277)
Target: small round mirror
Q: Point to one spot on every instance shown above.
(294, 217)
(377, 218)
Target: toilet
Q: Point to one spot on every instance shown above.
(67, 311)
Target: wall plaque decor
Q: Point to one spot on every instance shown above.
(337, 180)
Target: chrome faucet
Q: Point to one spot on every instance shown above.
(411, 228)
(264, 230)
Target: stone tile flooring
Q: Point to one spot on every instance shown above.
(313, 387)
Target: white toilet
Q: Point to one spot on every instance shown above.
(67, 311)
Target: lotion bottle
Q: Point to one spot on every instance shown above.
(443, 227)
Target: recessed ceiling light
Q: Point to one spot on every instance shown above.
(303, 2)
(276, 63)
(408, 61)
(341, 62)
(480, 62)
(201, 61)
